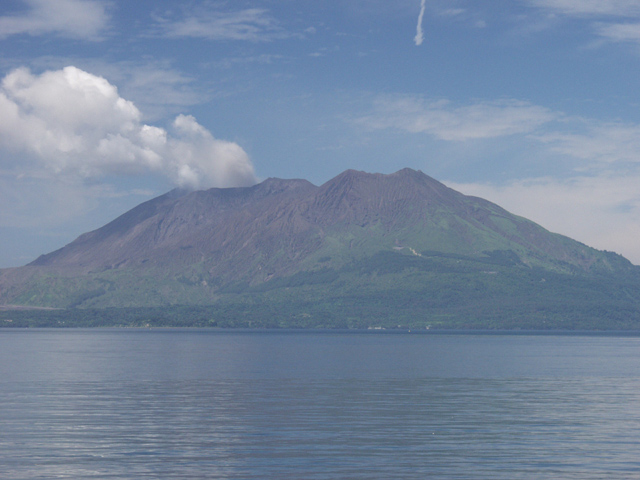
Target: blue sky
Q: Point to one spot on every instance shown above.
(532, 104)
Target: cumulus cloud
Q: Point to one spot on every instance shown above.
(446, 121)
(74, 123)
(419, 38)
(603, 212)
(155, 86)
(252, 24)
(83, 19)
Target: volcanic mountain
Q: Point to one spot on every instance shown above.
(400, 244)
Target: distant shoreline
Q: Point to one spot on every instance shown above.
(316, 331)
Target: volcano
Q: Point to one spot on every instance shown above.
(360, 249)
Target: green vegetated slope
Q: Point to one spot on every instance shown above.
(362, 250)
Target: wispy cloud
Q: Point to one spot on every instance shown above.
(614, 20)
(586, 144)
(446, 121)
(619, 32)
(81, 19)
(419, 38)
(452, 12)
(598, 143)
(621, 8)
(73, 123)
(157, 88)
(253, 24)
(263, 59)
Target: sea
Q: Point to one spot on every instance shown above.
(225, 404)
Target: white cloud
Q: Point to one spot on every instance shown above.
(74, 123)
(82, 19)
(154, 85)
(456, 123)
(601, 14)
(580, 143)
(623, 8)
(194, 147)
(253, 24)
(603, 212)
(604, 143)
(620, 32)
(453, 12)
(419, 38)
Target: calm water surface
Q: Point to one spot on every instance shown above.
(178, 404)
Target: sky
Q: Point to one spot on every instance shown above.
(531, 104)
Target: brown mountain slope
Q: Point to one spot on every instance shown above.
(279, 228)
(293, 216)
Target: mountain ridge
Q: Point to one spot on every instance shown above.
(358, 235)
(180, 219)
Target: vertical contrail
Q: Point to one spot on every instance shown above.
(419, 38)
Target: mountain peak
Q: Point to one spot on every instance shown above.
(277, 185)
(409, 172)
(403, 175)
